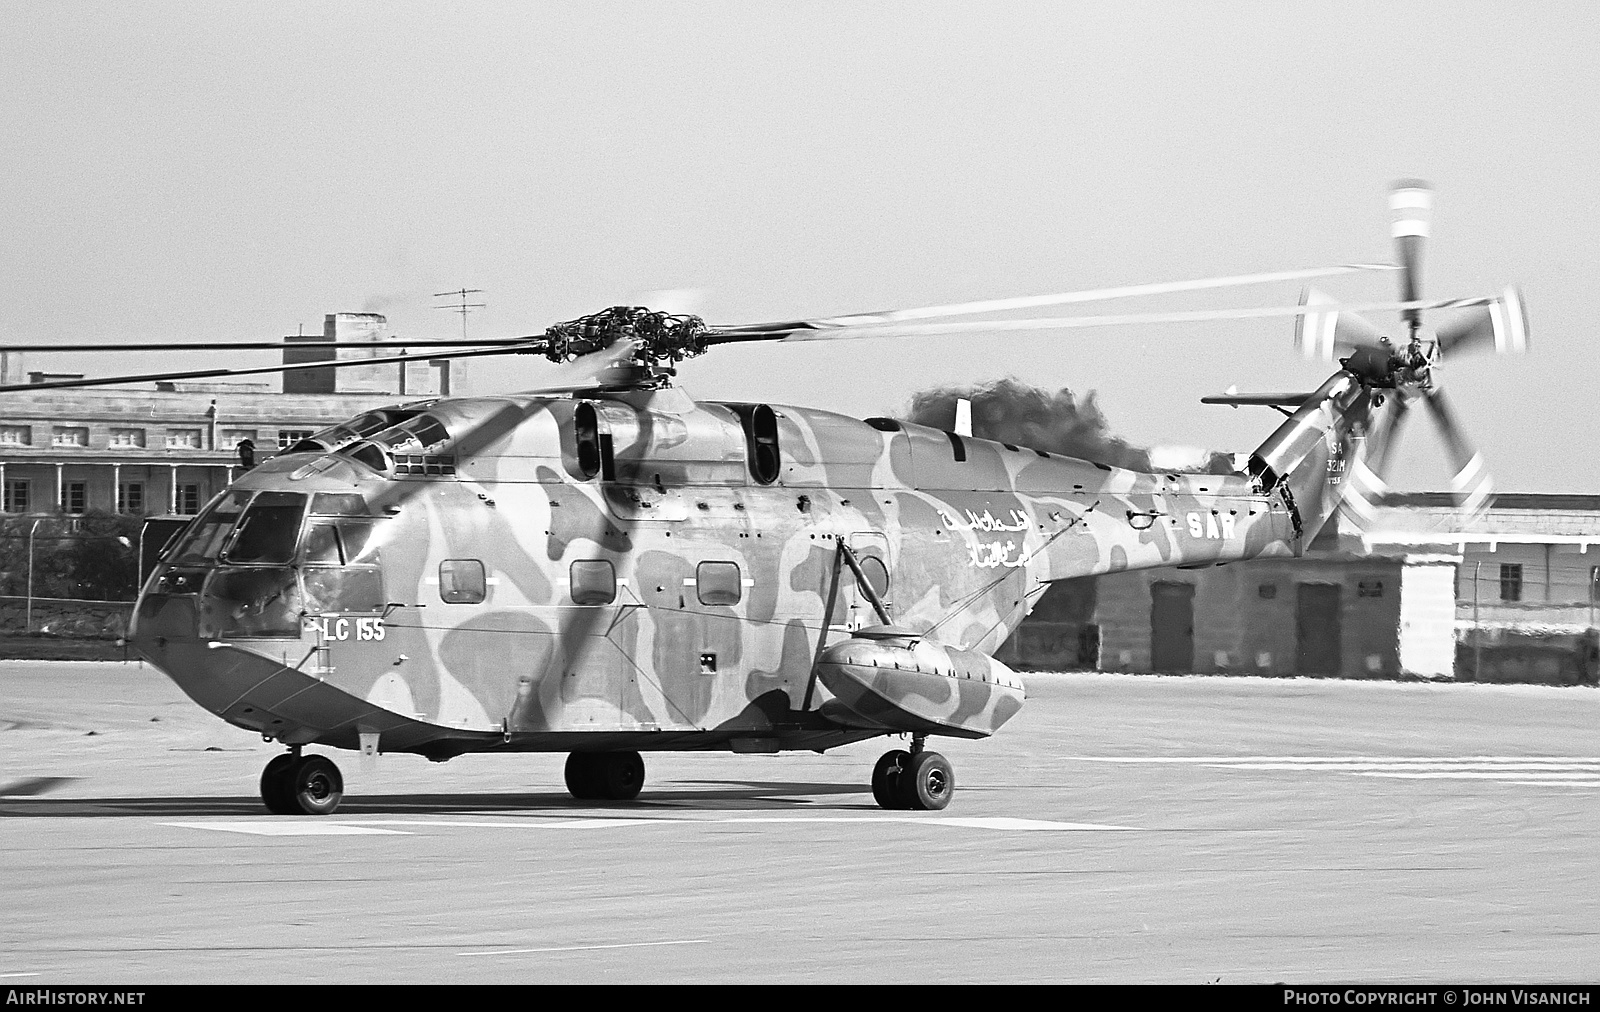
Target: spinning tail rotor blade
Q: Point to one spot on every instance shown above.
(1502, 325)
(1471, 485)
(1322, 333)
(1411, 204)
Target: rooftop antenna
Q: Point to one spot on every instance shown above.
(464, 307)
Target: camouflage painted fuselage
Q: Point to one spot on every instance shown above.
(471, 611)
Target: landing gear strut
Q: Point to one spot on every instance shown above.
(295, 784)
(917, 780)
(605, 776)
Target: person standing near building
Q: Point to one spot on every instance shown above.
(247, 453)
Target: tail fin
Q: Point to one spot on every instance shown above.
(1306, 460)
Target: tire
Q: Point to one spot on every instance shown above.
(619, 775)
(580, 775)
(927, 782)
(315, 786)
(275, 785)
(886, 778)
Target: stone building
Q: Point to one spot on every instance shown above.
(170, 448)
(1512, 596)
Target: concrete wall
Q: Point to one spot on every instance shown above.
(1245, 614)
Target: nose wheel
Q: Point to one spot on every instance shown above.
(295, 784)
(917, 780)
(605, 776)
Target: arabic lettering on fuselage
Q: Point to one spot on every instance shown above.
(993, 555)
(986, 522)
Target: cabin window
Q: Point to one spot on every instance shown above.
(593, 582)
(462, 581)
(877, 575)
(718, 583)
(761, 441)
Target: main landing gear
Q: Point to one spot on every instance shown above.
(917, 780)
(605, 776)
(295, 784)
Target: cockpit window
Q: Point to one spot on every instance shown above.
(204, 539)
(415, 435)
(339, 504)
(339, 542)
(359, 427)
(267, 532)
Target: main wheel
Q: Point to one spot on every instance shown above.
(315, 786)
(886, 778)
(927, 782)
(620, 775)
(275, 785)
(582, 783)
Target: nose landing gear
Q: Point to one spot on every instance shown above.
(917, 780)
(604, 776)
(295, 784)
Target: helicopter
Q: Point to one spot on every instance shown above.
(606, 567)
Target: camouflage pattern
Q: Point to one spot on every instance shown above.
(446, 582)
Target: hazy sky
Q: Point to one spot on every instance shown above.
(187, 171)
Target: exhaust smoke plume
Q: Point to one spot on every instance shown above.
(1010, 411)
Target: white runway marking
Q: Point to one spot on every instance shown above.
(1567, 771)
(321, 827)
(306, 828)
(585, 948)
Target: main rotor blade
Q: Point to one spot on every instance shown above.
(1471, 485)
(587, 371)
(1501, 324)
(220, 373)
(1038, 301)
(269, 345)
(722, 336)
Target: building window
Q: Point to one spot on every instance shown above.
(1511, 582)
(289, 437)
(1267, 591)
(127, 437)
(593, 582)
(130, 497)
(718, 583)
(232, 437)
(16, 495)
(462, 581)
(69, 435)
(74, 497)
(188, 503)
(16, 435)
(183, 439)
(1369, 588)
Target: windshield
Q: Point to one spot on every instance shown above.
(205, 537)
(267, 533)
